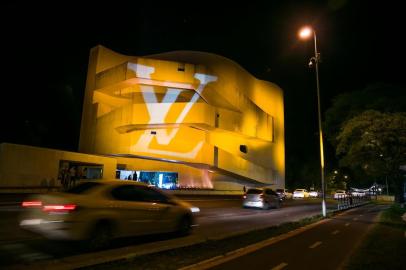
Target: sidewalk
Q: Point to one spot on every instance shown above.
(385, 245)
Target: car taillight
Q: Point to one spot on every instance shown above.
(59, 207)
(261, 196)
(33, 204)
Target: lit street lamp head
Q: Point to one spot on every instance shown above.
(305, 32)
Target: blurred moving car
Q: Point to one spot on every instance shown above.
(314, 193)
(339, 194)
(284, 193)
(264, 198)
(300, 193)
(98, 211)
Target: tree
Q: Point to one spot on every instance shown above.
(379, 97)
(376, 143)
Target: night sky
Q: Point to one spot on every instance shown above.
(45, 49)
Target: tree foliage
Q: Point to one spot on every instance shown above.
(379, 97)
(376, 143)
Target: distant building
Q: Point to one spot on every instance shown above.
(182, 119)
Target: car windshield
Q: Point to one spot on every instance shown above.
(83, 188)
(299, 190)
(254, 191)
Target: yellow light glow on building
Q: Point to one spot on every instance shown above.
(207, 116)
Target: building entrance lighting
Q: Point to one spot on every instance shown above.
(306, 33)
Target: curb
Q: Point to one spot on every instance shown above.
(105, 256)
(126, 253)
(212, 262)
(209, 263)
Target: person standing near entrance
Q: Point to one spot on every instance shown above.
(72, 174)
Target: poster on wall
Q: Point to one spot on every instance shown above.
(164, 180)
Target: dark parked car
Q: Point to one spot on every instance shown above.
(284, 194)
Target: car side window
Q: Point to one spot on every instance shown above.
(138, 194)
(152, 195)
(124, 193)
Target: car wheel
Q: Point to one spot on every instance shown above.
(100, 236)
(184, 226)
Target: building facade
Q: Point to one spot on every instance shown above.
(197, 119)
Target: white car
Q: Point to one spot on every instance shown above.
(263, 198)
(358, 193)
(300, 193)
(339, 194)
(313, 193)
(98, 211)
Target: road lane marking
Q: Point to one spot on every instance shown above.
(318, 243)
(280, 266)
(347, 224)
(335, 232)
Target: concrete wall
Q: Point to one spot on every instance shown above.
(28, 166)
(384, 198)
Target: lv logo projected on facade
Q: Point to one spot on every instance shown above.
(158, 111)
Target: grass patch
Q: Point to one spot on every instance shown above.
(176, 258)
(385, 245)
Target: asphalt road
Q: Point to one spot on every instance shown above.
(218, 218)
(326, 246)
(228, 217)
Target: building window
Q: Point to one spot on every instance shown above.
(243, 148)
(181, 67)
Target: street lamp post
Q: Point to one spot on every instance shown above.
(305, 33)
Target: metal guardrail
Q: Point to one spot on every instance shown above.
(348, 201)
